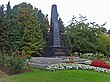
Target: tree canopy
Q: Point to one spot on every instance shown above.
(25, 27)
(83, 36)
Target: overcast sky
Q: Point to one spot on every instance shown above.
(96, 10)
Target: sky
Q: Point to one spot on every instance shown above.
(96, 10)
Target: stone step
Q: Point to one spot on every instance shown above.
(79, 60)
(36, 65)
(47, 62)
(42, 62)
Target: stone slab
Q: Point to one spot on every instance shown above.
(42, 62)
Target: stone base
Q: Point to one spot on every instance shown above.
(43, 62)
(54, 51)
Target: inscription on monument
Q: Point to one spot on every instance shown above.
(59, 51)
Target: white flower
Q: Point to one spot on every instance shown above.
(88, 62)
(64, 66)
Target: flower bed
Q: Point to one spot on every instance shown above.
(65, 66)
(100, 63)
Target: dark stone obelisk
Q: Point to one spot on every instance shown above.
(54, 47)
(54, 39)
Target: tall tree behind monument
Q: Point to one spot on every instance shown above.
(62, 32)
(44, 24)
(25, 32)
(3, 30)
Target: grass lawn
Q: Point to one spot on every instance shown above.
(59, 76)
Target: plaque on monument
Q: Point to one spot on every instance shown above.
(54, 48)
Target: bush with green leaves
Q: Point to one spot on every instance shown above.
(14, 63)
(2, 59)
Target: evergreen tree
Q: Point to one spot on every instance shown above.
(44, 24)
(47, 26)
(61, 26)
(2, 11)
(108, 33)
(25, 29)
(3, 30)
(8, 21)
(62, 32)
(8, 11)
(15, 30)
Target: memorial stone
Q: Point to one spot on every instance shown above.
(54, 47)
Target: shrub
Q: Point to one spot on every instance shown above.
(15, 62)
(3, 59)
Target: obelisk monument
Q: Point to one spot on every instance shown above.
(54, 39)
(54, 47)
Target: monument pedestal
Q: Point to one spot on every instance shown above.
(54, 51)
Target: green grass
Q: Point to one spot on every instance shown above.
(60, 76)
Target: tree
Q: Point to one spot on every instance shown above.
(15, 29)
(25, 30)
(108, 33)
(8, 21)
(3, 30)
(83, 36)
(2, 11)
(106, 43)
(61, 31)
(8, 11)
(44, 23)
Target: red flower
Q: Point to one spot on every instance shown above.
(26, 54)
(100, 63)
(20, 56)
